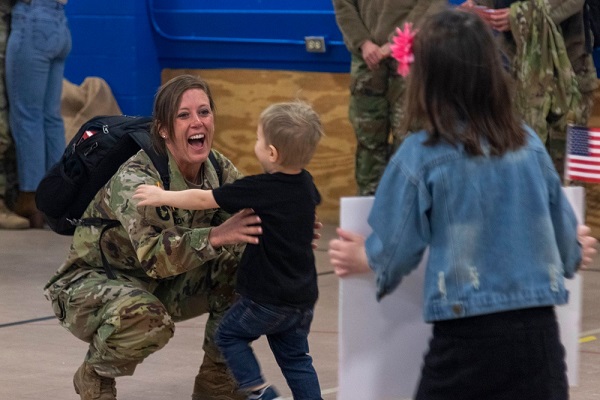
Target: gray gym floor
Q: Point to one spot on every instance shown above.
(38, 357)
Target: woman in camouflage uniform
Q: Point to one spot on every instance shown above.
(170, 264)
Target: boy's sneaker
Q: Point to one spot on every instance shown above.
(267, 393)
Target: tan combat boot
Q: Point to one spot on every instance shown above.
(214, 382)
(91, 386)
(10, 220)
(207, 392)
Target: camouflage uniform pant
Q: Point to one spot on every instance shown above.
(8, 163)
(375, 113)
(124, 323)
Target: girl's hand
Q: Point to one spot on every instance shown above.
(347, 254)
(588, 245)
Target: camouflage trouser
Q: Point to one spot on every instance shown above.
(124, 323)
(375, 113)
(8, 164)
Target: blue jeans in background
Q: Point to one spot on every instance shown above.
(286, 329)
(37, 48)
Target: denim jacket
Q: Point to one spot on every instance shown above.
(501, 233)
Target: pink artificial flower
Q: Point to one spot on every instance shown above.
(402, 49)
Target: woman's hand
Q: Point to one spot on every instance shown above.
(385, 50)
(371, 53)
(499, 19)
(347, 254)
(467, 4)
(316, 235)
(588, 245)
(243, 227)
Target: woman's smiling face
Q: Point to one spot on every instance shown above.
(193, 132)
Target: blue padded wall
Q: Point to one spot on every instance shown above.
(128, 42)
(112, 39)
(264, 34)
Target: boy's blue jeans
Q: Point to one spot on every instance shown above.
(286, 329)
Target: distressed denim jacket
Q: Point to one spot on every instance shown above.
(500, 231)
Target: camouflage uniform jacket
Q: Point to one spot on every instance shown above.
(151, 243)
(376, 20)
(542, 67)
(568, 16)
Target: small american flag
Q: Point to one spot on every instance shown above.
(583, 154)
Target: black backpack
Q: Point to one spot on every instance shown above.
(91, 158)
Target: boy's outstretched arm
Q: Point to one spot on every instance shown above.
(191, 199)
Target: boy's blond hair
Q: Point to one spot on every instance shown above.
(294, 129)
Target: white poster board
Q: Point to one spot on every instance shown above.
(569, 315)
(381, 345)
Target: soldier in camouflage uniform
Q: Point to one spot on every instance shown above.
(540, 109)
(376, 89)
(170, 264)
(8, 162)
